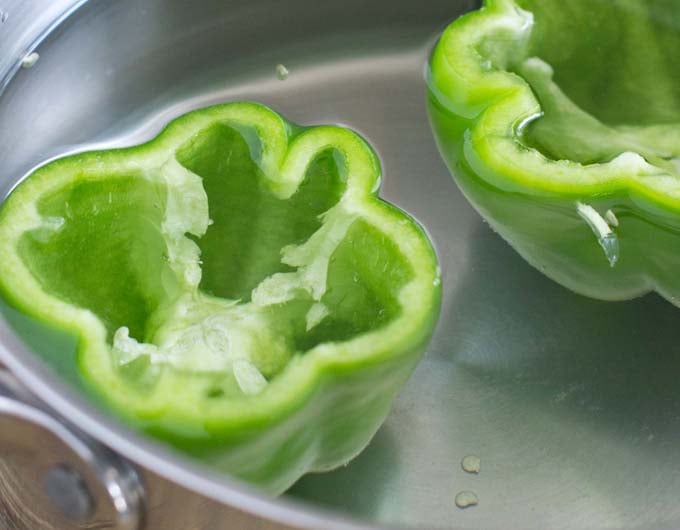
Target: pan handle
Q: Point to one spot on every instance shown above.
(54, 477)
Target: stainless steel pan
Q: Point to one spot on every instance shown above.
(572, 405)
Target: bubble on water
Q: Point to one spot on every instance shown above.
(471, 464)
(466, 499)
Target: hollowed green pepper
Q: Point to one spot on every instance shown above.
(235, 286)
(560, 122)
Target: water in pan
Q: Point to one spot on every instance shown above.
(571, 404)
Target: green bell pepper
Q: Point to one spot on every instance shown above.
(560, 122)
(235, 285)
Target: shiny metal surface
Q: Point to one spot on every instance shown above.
(53, 477)
(22, 26)
(572, 405)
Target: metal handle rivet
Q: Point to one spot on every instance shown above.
(68, 492)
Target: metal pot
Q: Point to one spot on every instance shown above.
(571, 404)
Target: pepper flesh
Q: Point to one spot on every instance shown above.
(560, 122)
(235, 287)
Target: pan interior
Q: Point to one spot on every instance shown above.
(572, 405)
